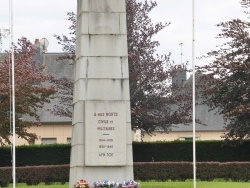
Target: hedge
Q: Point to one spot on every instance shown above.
(33, 175)
(144, 171)
(34, 155)
(181, 171)
(142, 152)
(206, 151)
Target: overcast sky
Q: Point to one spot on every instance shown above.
(43, 18)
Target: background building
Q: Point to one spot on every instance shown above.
(58, 129)
(53, 129)
(211, 126)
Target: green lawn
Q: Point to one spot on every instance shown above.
(199, 185)
(188, 184)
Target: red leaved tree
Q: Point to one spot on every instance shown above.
(227, 87)
(31, 92)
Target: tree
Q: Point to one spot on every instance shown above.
(30, 92)
(245, 4)
(65, 85)
(68, 42)
(64, 93)
(150, 74)
(228, 78)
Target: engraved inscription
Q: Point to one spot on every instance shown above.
(106, 137)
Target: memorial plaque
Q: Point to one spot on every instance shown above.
(106, 138)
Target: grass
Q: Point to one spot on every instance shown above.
(187, 184)
(199, 185)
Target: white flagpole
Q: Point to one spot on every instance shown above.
(13, 99)
(193, 67)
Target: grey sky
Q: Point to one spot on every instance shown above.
(208, 13)
(43, 18)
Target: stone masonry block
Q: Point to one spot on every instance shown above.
(123, 23)
(82, 24)
(79, 131)
(78, 115)
(104, 23)
(100, 6)
(101, 89)
(83, 46)
(102, 45)
(102, 67)
(78, 158)
(82, 6)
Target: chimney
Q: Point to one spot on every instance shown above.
(37, 42)
(38, 56)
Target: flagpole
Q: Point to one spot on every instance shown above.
(13, 99)
(193, 67)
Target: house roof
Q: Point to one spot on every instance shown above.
(63, 68)
(58, 69)
(210, 119)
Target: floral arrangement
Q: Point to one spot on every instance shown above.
(105, 183)
(81, 184)
(129, 184)
(112, 184)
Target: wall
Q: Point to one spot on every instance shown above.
(182, 135)
(59, 131)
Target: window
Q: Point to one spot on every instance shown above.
(68, 140)
(31, 142)
(188, 138)
(49, 140)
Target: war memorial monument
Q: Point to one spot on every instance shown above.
(101, 145)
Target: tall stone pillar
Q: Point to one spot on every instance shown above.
(101, 146)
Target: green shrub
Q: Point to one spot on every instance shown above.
(144, 171)
(183, 151)
(206, 151)
(54, 154)
(33, 175)
(5, 177)
(181, 171)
